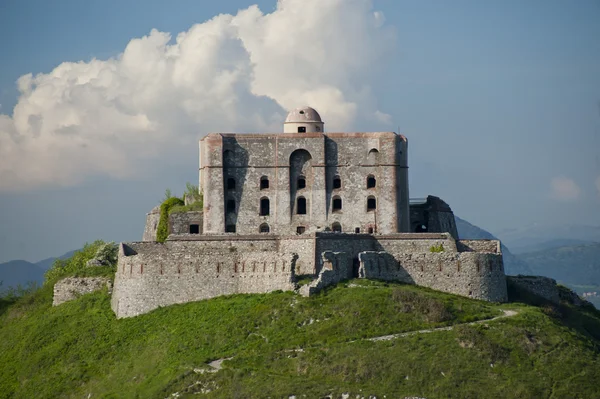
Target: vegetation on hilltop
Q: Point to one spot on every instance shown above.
(281, 344)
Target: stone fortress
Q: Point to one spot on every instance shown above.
(303, 203)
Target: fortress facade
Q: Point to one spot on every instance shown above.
(303, 203)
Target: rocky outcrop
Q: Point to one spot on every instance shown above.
(72, 288)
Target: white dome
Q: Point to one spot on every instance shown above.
(303, 115)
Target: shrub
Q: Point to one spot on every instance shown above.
(162, 231)
(107, 254)
(77, 262)
(437, 248)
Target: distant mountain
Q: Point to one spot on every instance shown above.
(551, 244)
(512, 264)
(15, 272)
(47, 263)
(575, 264)
(537, 235)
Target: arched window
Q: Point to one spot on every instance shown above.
(264, 183)
(337, 204)
(373, 157)
(301, 182)
(371, 204)
(230, 205)
(337, 182)
(264, 228)
(231, 183)
(301, 206)
(336, 227)
(371, 181)
(264, 206)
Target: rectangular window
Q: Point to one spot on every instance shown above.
(300, 229)
(194, 229)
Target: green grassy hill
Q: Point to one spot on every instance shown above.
(281, 344)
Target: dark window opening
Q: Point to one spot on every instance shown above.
(337, 182)
(264, 182)
(421, 228)
(370, 230)
(300, 229)
(194, 229)
(264, 207)
(336, 227)
(301, 207)
(264, 228)
(371, 204)
(337, 204)
(318, 128)
(357, 230)
(230, 205)
(230, 228)
(371, 181)
(301, 182)
(231, 183)
(302, 129)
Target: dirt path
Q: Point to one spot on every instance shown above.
(507, 313)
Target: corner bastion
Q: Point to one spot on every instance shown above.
(194, 267)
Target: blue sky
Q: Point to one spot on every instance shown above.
(500, 102)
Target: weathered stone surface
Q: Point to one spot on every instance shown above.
(194, 267)
(544, 287)
(72, 288)
(152, 219)
(94, 263)
(233, 165)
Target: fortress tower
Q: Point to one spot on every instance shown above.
(303, 203)
(304, 180)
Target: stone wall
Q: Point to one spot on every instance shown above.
(194, 267)
(232, 166)
(151, 275)
(151, 225)
(72, 288)
(544, 287)
(181, 222)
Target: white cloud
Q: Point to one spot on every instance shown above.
(564, 189)
(116, 117)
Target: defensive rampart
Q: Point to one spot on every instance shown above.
(193, 267)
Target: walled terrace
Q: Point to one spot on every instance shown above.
(191, 267)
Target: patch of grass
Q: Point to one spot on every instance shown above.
(197, 206)
(437, 248)
(304, 280)
(283, 344)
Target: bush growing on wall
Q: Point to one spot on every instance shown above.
(162, 231)
(77, 262)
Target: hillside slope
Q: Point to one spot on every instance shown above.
(281, 344)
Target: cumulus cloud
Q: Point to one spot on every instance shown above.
(240, 72)
(564, 189)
